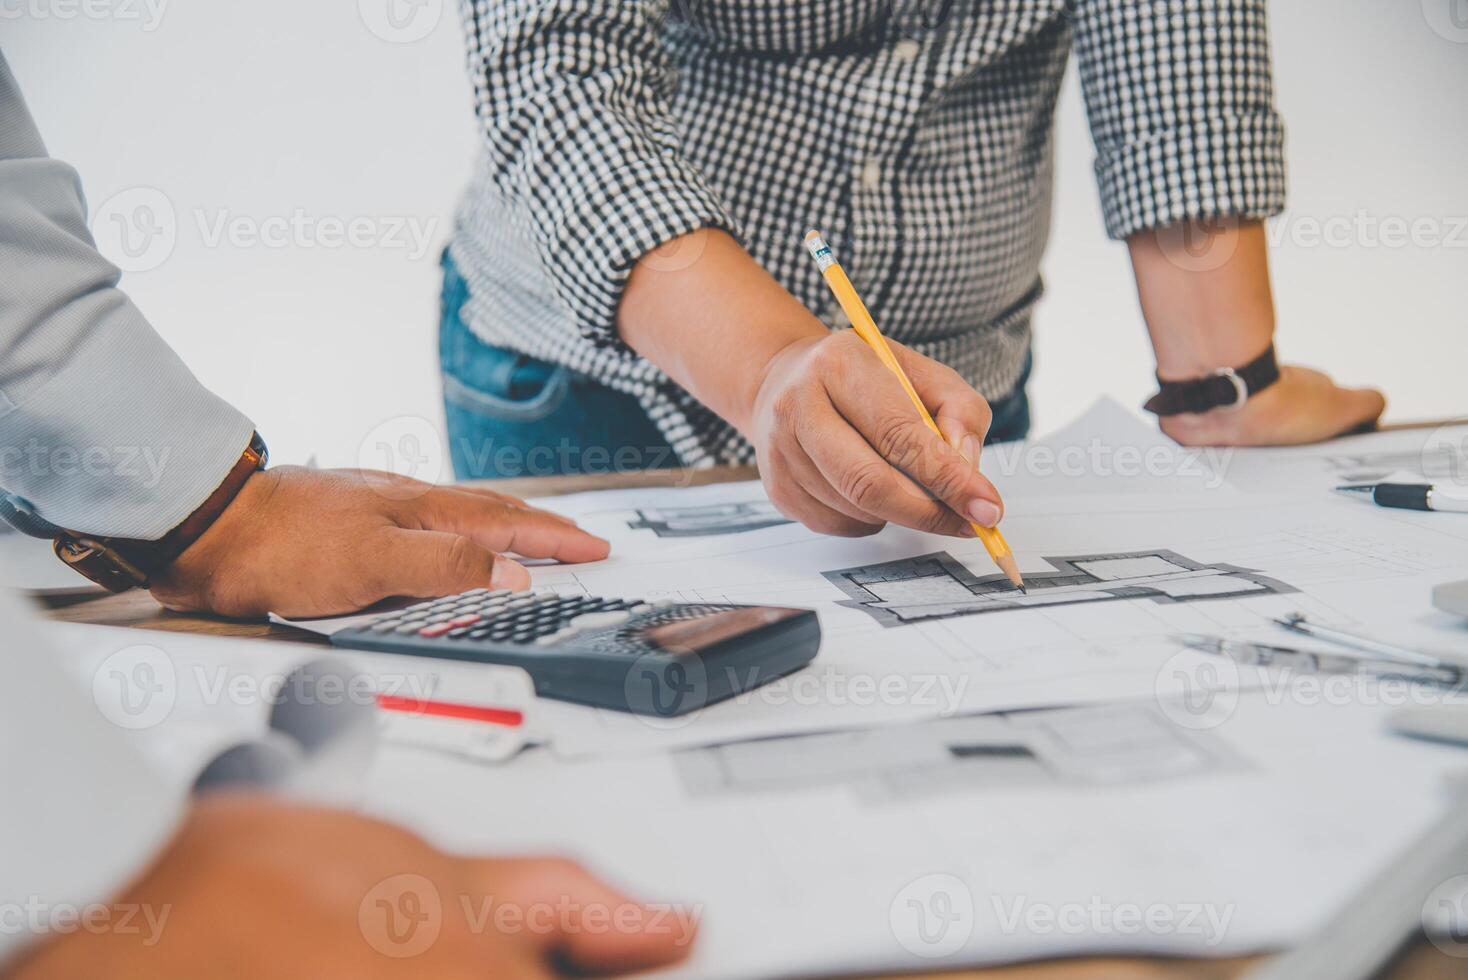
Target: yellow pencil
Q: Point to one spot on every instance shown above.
(866, 329)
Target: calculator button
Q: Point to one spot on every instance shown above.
(407, 628)
(466, 620)
(436, 630)
(384, 627)
(599, 620)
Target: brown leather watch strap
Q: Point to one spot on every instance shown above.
(120, 564)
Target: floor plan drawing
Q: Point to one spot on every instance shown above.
(708, 520)
(1102, 746)
(938, 586)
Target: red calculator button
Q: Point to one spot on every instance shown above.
(468, 619)
(438, 629)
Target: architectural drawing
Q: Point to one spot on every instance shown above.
(1442, 462)
(708, 520)
(1104, 746)
(938, 586)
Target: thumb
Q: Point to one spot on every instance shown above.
(1361, 408)
(424, 564)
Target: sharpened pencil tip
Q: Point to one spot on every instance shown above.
(1010, 569)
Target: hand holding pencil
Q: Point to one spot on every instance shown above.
(866, 328)
(841, 448)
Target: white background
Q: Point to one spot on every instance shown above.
(243, 113)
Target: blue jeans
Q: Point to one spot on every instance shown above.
(512, 415)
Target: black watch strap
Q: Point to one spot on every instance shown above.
(1226, 388)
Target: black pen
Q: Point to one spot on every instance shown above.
(1409, 496)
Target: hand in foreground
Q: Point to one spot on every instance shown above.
(843, 450)
(252, 888)
(304, 542)
(1302, 406)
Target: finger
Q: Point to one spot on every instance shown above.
(957, 435)
(880, 410)
(1361, 407)
(577, 921)
(423, 564)
(795, 464)
(853, 468)
(499, 526)
(791, 498)
(971, 448)
(509, 500)
(963, 415)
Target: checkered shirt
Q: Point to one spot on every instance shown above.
(917, 134)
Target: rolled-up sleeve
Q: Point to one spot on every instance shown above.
(1180, 96)
(573, 99)
(103, 430)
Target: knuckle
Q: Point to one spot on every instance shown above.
(897, 438)
(786, 408)
(867, 485)
(948, 477)
(462, 559)
(830, 358)
(939, 520)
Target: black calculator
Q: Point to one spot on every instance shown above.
(652, 658)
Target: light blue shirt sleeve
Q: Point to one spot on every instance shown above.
(103, 430)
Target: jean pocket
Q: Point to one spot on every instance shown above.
(512, 401)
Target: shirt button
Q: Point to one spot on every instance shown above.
(871, 175)
(907, 50)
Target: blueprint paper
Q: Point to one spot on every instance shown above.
(1108, 450)
(1434, 455)
(918, 626)
(965, 842)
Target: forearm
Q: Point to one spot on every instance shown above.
(102, 428)
(1207, 300)
(713, 319)
(1205, 294)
